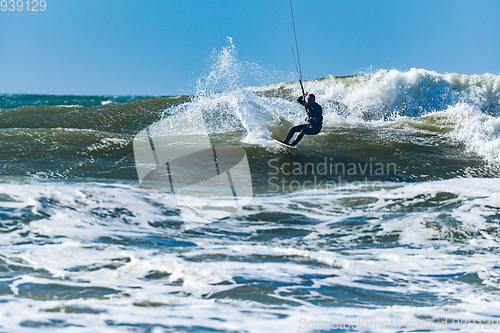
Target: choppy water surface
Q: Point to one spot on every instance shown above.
(389, 216)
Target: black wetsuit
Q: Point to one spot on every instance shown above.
(314, 119)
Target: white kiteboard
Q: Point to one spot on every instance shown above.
(283, 145)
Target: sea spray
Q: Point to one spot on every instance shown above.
(225, 103)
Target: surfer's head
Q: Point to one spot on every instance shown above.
(311, 98)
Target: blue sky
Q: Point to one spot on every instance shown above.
(123, 47)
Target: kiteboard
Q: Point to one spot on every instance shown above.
(283, 145)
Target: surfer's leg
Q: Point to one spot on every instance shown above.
(307, 130)
(299, 137)
(294, 130)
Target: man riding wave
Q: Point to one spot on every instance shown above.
(314, 120)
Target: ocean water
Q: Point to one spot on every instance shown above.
(386, 221)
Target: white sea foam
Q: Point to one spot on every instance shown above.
(469, 103)
(479, 131)
(332, 259)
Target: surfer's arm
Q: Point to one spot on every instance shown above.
(301, 99)
(302, 102)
